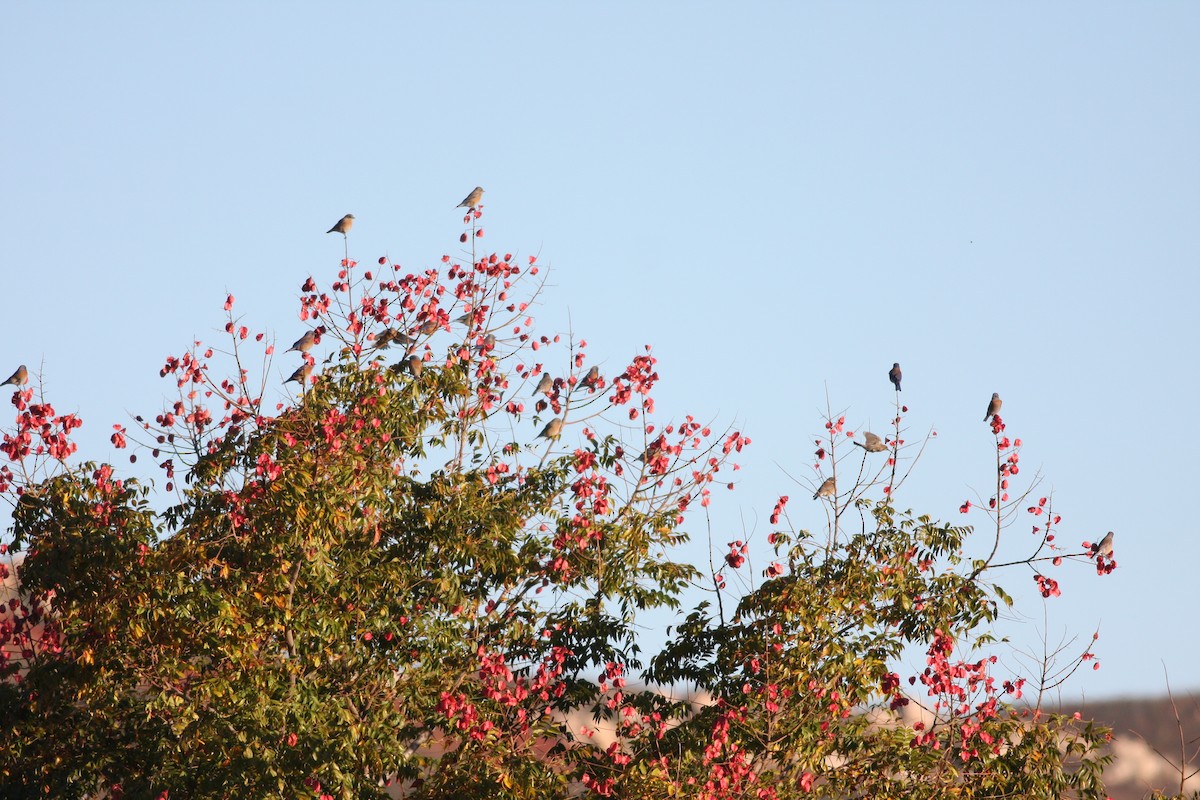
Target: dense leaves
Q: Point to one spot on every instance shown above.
(392, 585)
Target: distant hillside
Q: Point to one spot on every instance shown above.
(1141, 726)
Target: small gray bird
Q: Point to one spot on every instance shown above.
(872, 443)
(430, 326)
(301, 374)
(18, 378)
(472, 200)
(466, 318)
(488, 343)
(545, 384)
(592, 377)
(828, 489)
(552, 430)
(304, 343)
(343, 225)
(993, 406)
(894, 375)
(1105, 546)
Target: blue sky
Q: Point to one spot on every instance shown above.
(782, 198)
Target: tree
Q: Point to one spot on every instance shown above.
(390, 584)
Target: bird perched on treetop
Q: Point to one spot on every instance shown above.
(472, 200)
(592, 377)
(894, 375)
(1105, 546)
(343, 225)
(545, 384)
(872, 443)
(18, 378)
(304, 343)
(552, 430)
(301, 374)
(993, 406)
(828, 489)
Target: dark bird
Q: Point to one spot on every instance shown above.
(552, 430)
(545, 384)
(472, 200)
(301, 374)
(304, 343)
(1105, 546)
(343, 225)
(383, 339)
(993, 406)
(18, 378)
(828, 489)
(894, 375)
(872, 443)
(415, 365)
(430, 326)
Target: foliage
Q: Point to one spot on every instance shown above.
(389, 584)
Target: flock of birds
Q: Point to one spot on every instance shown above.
(873, 444)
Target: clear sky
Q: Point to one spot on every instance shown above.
(783, 198)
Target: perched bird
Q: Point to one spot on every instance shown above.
(872, 443)
(828, 489)
(593, 375)
(18, 378)
(383, 339)
(415, 365)
(488, 343)
(304, 343)
(1105, 546)
(301, 374)
(472, 200)
(894, 375)
(993, 406)
(430, 326)
(466, 318)
(545, 384)
(343, 225)
(552, 430)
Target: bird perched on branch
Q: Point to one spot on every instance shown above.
(592, 377)
(301, 374)
(414, 365)
(545, 384)
(552, 430)
(993, 406)
(472, 200)
(894, 375)
(304, 343)
(828, 489)
(18, 378)
(1105, 546)
(343, 225)
(872, 443)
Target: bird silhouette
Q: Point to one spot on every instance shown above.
(872, 443)
(993, 406)
(894, 375)
(472, 200)
(304, 343)
(18, 378)
(343, 225)
(552, 430)
(828, 489)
